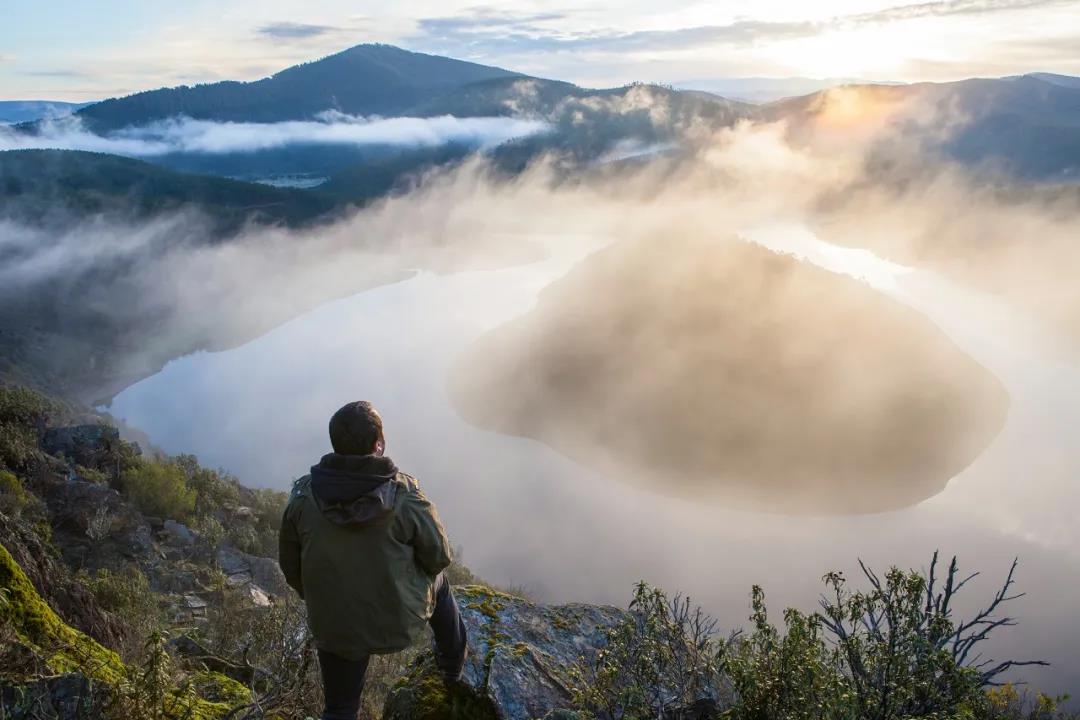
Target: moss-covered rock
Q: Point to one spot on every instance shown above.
(69, 652)
(422, 694)
(519, 654)
(36, 625)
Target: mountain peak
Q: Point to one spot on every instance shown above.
(366, 79)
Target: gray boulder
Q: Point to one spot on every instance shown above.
(520, 654)
(266, 573)
(57, 697)
(233, 563)
(242, 570)
(177, 534)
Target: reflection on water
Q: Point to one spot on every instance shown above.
(524, 514)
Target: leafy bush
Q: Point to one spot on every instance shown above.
(276, 646)
(214, 489)
(23, 413)
(1008, 703)
(159, 488)
(662, 658)
(127, 595)
(17, 501)
(13, 496)
(793, 675)
(210, 533)
(258, 533)
(893, 651)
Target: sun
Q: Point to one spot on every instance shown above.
(865, 53)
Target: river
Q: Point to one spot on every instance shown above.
(526, 515)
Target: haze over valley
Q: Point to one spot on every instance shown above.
(714, 333)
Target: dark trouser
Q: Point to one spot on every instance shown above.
(343, 680)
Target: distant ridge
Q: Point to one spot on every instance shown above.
(20, 111)
(363, 80)
(1026, 125)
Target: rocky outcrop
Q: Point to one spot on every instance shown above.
(68, 696)
(520, 656)
(53, 580)
(259, 576)
(87, 445)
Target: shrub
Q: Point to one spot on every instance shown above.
(127, 595)
(210, 533)
(17, 501)
(659, 660)
(259, 536)
(100, 524)
(276, 645)
(23, 413)
(892, 651)
(792, 675)
(159, 488)
(13, 496)
(904, 651)
(215, 489)
(1008, 703)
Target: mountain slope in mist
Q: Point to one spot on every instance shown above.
(57, 188)
(719, 370)
(363, 80)
(1026, 127)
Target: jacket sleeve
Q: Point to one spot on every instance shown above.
(431, 547)
(289, 553)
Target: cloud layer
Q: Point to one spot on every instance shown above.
(187, 135)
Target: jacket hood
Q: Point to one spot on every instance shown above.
(354, 490)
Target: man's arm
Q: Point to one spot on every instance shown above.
(289, 553)
(431, 547)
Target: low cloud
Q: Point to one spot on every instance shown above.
(294, 31)
(58, 73)
(186, 135)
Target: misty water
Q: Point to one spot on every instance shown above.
(526, 515)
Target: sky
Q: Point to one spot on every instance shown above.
(79, 51)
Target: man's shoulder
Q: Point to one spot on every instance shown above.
(409, 482)
(300, 488)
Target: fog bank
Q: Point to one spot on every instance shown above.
(187, 135)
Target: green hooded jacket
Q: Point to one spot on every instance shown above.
(363, 547)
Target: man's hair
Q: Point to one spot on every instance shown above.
(355, 429)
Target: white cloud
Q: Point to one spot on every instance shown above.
(186, 135)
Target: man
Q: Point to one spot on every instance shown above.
(366, 551)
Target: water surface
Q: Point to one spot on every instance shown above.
(524, 514)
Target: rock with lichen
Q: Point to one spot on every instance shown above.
(520, 654)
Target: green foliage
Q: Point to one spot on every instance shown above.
(211, 533)
(126, 594)
(792, 675)
(159, 488)
(659, 659)
(13, 496)
(276, 644)
(261, 536)
(1009, 703)
(895, 648)
(892, 651)
(215, 490)
(23, 413)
